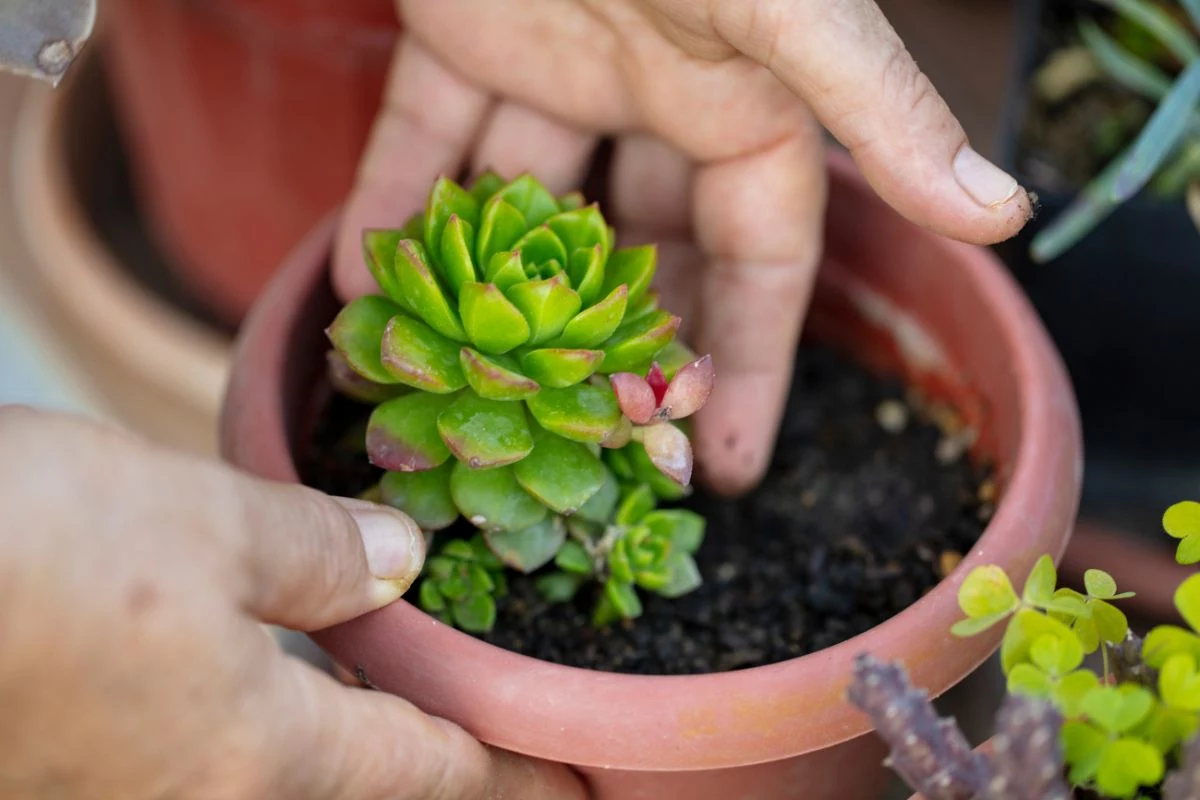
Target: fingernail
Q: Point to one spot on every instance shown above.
(394, 545)
(989, 185)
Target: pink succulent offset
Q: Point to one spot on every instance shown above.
(652, 402)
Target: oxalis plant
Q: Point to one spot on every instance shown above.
(1123, 727)
(524, 378)
(1167, 150)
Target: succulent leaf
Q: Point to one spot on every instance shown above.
(485, 433)
(492, 499)
(670, 450)
(379, 251)
(414, 227)
(548, 305)
(486, 185)
(424, 496)
(1163, 132)
(420, 357)
(506, 270)
(561, 474)
(540, 246)
(402, 434)
(586, 270)
(530, 198)
(573, 558)
(632, 266)
(688, 391)
(636, 343)
(623, 598)
(581, 229)
(683, 528)
(559, 368)
(446, 200)
(674, 357)
(619, 436)
(634, 395)
(558, 587)
(683, 576)
(581, 413)
(572, 201)
(600, 506)
(500, 226)
(475, 613)
(648, 304)
(635, 506)
(457, 249)
(492, 322)
(596, 324)
(496, 378)
(357, 331)
(531, 548)
(423, 291)
(642, 470)
(345, 379)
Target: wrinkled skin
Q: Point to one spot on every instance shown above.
(717, 109)
(133, 665)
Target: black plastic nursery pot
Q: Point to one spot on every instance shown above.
(1121, 306)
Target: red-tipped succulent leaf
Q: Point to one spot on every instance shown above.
(688, 390)
(669, 450)
(652, 398)
(635, 396)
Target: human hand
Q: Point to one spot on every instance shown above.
(719, 156)
(133, 664)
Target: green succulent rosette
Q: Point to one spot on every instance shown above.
(510, 346)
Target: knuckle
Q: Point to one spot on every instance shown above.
(904, 84)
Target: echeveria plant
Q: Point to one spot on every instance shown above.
(527, 380)
(1116, 731)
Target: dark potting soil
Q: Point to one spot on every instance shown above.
(867, 504)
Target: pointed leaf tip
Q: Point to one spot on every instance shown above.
(634, 395)
(689, 390)
(669, 451)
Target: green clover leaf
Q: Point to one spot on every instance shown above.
(1182, 521)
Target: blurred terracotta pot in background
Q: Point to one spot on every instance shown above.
(245, 120)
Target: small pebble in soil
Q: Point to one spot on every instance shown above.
(856, 519)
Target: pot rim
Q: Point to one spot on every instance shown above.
(768, 712)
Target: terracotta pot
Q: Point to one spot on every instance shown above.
(944, 314)
(246, 120)
(147, 362)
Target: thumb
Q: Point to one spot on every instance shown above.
(843, 58)
(329, 741)
(309, 561)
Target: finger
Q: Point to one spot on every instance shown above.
(517, 139)
(852, 69)
(652, 203)
(759, 222)
(428, 123)
(307, 561)
(329, 741)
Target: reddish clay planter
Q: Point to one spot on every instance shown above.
(246, 119)
(946, 315)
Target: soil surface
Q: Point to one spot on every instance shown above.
(867, 504)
